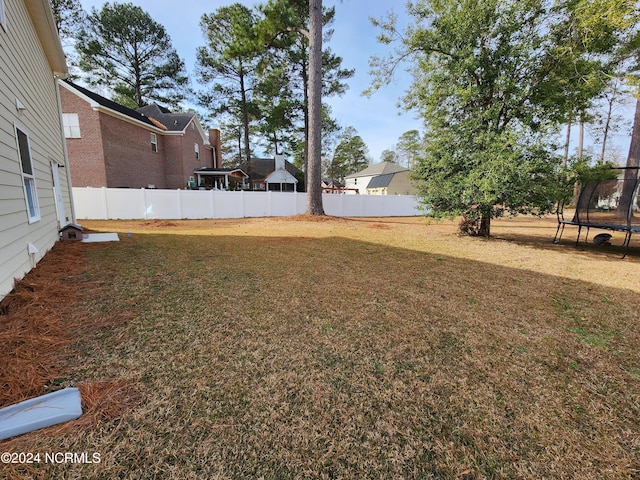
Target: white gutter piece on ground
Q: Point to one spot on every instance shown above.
(40, 412)
(100, 237)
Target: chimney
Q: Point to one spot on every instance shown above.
(214, 140)
(279, 162)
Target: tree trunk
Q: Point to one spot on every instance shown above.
(314, 187)
(245, 119)
(633, 160)
(485, 226)
(607, 125)
(305, 105)
(580, 138)
(567, 140)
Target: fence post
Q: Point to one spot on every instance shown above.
(103, 194)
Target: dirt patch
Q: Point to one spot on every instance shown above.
(305, 217)
(159, 224)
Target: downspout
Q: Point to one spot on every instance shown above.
(67, 168)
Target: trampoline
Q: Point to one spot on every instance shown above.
(607, 205)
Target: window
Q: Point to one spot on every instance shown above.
(71, 125)
(197, 150)
(28, 177)
(154, 143)
(3, 17)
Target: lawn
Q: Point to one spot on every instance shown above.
(338, 348)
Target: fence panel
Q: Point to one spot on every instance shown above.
(129, 204)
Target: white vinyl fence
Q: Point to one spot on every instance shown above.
(143, 204)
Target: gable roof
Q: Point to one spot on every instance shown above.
(110, 104)
(259, 168)
(174, 122)
(280, 176)
(381, 168)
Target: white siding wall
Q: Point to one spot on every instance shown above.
(25, 75)
(357, 182)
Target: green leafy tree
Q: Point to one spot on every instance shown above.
(69, 16)
(487, 87)
(409, 145)
(389, 155)
(228, 63)
(350, 156)
(279, 111)
(121, 47)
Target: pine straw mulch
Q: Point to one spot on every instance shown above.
(40, 327)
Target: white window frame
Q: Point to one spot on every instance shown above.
(28, 175)
(154, 143)
(196, 148)
(71, 124)
(3, 16)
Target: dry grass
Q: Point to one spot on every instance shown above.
(345, 348)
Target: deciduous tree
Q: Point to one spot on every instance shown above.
(489, 87)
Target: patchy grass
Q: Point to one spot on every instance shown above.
(342, 348)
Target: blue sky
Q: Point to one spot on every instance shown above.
(378, 120)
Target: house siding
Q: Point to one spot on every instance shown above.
(26, 76)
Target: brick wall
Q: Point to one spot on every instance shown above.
(180, 156)
(130, 162)
(86, 158)
(116, 153)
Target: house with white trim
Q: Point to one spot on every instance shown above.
(110, 145)
(360, 181)
(35, 186)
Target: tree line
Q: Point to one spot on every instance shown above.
(252, 71)
(495, 82)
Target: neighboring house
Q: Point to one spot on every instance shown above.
(358, 182)
(35, 190)
(271, 174)
(111, 145)
(398, 183)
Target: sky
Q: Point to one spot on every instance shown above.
(377, 120)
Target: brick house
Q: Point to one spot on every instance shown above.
(110, 145)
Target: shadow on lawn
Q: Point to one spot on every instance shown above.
(568, 245)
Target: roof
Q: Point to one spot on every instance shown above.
(234, 172)
(110, 104)
(45, 26)
(259, 168)
(280, 176)
(381, 181)
(381, 168)
(174, 122)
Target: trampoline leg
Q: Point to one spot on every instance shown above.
(627, 241)
(579, 233)
(556, 239)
